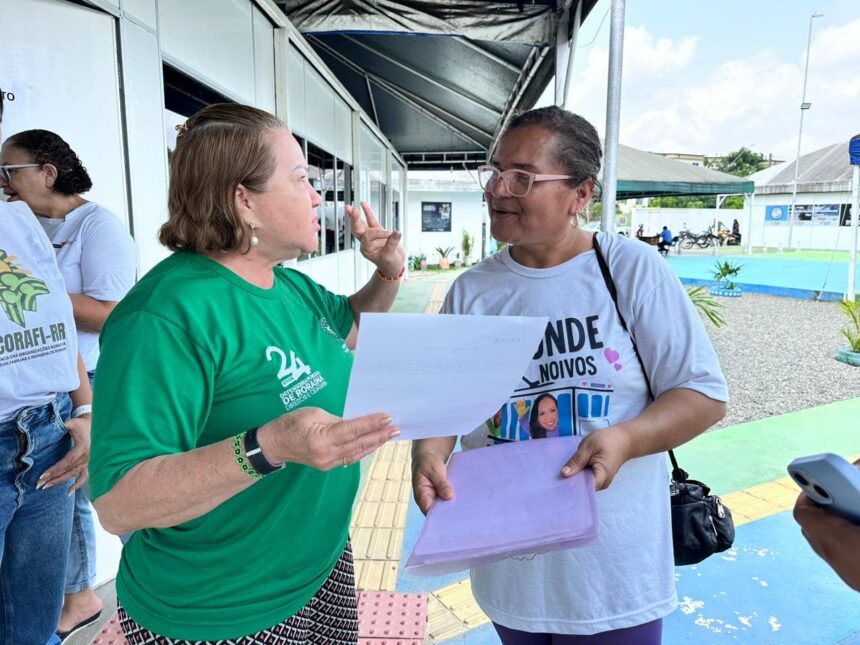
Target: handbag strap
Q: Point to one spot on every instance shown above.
(678, 474)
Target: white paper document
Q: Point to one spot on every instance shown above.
(439, 375)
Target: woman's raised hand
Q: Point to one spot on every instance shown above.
(376, 244)
(315, 438)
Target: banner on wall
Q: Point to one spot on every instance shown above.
(826, 214)
(776, 214)
(435, 217)
(818, 214)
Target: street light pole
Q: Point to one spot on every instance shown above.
(803, 107)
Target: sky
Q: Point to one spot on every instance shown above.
(710, 76)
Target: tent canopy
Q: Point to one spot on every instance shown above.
(440, 79)
(826, 170)
(640, 174)
(645, 174)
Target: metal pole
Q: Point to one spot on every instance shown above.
(803, 107)
(613, 116)
(577, 21)
(750, 226)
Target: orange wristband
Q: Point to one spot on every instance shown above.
(385, 278)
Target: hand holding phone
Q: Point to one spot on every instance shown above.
(831, 482)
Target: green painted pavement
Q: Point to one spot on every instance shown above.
(413, 296)
(758, 252)
(415, 292)
(752, 453)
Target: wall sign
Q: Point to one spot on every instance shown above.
(435, 217)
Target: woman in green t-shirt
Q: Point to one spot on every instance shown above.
(217, 436)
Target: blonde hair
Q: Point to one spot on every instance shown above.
(218, 148)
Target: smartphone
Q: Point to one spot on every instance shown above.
(829, 481)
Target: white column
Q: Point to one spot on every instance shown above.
(613, 116)
(146, 147)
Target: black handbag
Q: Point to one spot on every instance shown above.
(701, 524)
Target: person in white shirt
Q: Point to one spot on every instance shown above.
(97, 258)
(42, 458)
(618, 588)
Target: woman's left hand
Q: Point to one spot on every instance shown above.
(75, 464)
(376, 244)
(604, 451)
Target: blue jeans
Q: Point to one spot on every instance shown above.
(34, 524)
(81, 570)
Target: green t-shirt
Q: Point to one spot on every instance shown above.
(192, 355)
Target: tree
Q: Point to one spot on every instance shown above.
(595, 211)
(683, 201)
(741, 162)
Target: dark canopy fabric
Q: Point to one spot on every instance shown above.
(439, 78)
(508, 22)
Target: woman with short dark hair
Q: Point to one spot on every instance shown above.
(97, 258)
(617, 589)
(218, 437)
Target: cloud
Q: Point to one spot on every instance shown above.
(645, 55)
(672, 100)
(836, 45)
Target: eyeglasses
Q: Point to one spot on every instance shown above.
(6, 171)
(517, 182)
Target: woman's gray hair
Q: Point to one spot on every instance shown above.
(577, 146)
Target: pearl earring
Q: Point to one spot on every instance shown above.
(254, 239)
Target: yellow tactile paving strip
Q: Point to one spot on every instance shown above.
(463, 612)
(380, 517)
(436, 298)
(761, 501)
(377, 532)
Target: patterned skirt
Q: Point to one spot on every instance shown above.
(330, 617)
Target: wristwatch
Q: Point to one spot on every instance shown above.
(254, 454)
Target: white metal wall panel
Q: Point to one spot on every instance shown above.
(147, 150)
(372, 154)
(144, 11)
(213, 39)
(296, 92)
(264, 61)
(51, 50)
(342, 130)
(319, 108)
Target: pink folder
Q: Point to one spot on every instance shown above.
(508, 500)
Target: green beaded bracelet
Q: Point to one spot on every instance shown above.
(239, 455)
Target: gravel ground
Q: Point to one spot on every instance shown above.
(777, 355)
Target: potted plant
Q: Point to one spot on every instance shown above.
(443, 256)
(466, 246)
(725, 273)
(851, 354)
(418, 262)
